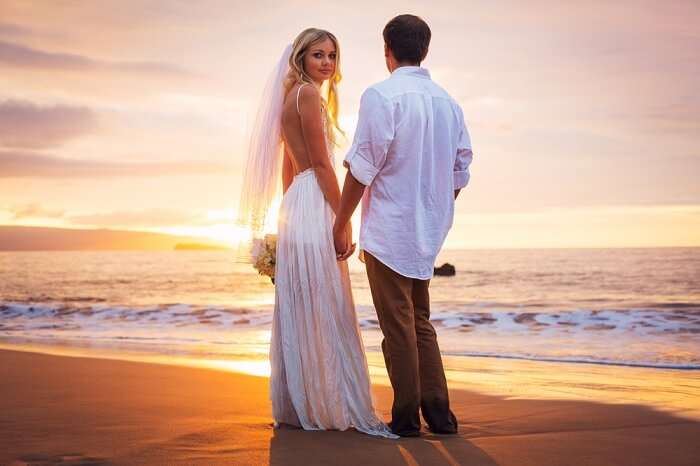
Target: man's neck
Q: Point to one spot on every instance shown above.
(402, 64)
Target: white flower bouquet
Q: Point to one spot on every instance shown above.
(263, 256)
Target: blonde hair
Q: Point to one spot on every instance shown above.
(297, 74)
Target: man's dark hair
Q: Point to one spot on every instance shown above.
(408, 38)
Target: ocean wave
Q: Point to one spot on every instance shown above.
(627, 320)
(577, 360)
(664, 338)
(91, 316)
(684, 319)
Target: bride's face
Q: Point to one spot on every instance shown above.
(319, 61)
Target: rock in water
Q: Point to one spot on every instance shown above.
(445, 270)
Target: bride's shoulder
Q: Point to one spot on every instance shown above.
(306, 90)
(307, 94)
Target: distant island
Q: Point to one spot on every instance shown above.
(27, 238)
(199, 247)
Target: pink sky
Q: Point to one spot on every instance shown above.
(132, 114)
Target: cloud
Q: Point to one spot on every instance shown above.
(30, 164)
(24, 124)
(34, 211)
(142, 219)
(9, 29)
(155, 217)
(13, 54)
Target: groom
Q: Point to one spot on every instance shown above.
(409, 159)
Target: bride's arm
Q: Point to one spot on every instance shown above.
(287, 170)
(315, 141)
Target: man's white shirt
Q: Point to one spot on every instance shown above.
(412, 150)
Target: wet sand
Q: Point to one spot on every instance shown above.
(89, 411)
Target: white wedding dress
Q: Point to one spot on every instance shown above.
(319, 378)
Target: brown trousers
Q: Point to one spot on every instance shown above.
(410, 350)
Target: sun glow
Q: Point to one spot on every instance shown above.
(225, 230)
(229, 234)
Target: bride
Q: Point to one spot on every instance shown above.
(319, 378)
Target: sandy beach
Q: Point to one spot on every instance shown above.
(90, 411)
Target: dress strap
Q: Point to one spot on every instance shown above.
(298, 92)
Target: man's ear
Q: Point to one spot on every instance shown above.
(388, 58)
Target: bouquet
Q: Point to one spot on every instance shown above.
(263, 256)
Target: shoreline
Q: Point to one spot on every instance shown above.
(87, 410)
(657, 388)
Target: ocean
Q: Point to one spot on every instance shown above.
(618, 307)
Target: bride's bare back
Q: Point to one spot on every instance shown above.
(292, 130)
(306, 144)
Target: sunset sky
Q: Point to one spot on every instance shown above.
(584, 116)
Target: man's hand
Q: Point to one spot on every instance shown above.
(342, 230)
(340, 241)
(351, 246)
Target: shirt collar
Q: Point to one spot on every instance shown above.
(412, 70)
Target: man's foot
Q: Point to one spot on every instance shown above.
(414, 433)
(404, 433)
(442, 427)
(448, 431)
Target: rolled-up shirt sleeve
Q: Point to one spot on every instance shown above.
(463, 159)
(374, 134)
